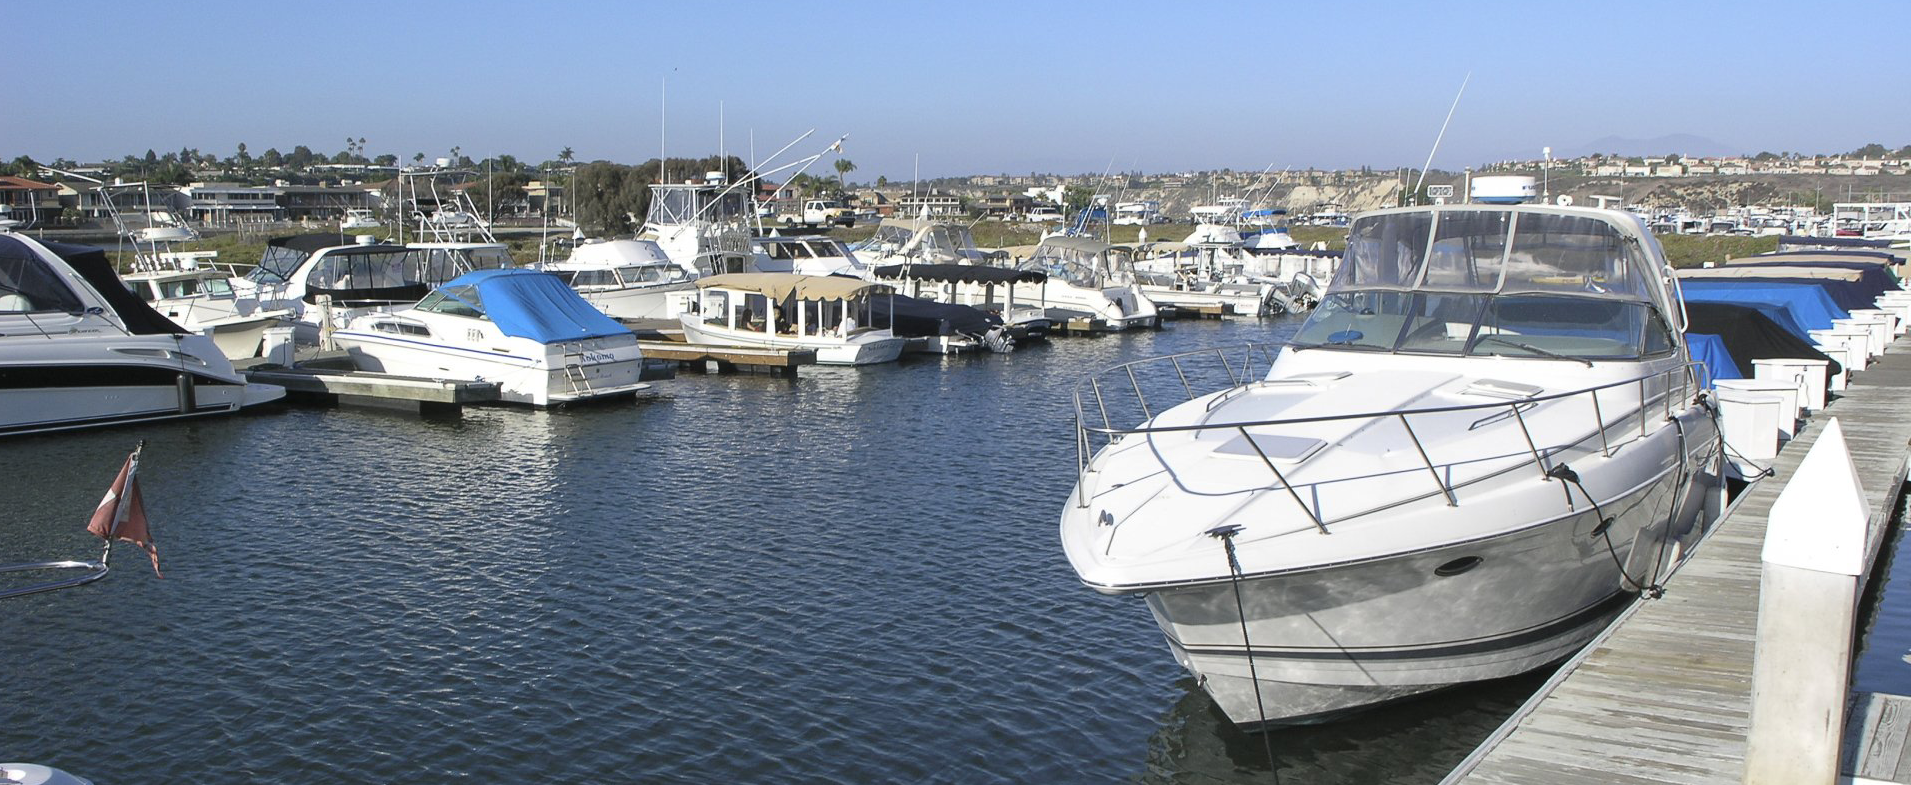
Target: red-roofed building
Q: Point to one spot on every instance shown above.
(27, 200)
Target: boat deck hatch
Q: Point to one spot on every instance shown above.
(1285, 449)
(1498, 388)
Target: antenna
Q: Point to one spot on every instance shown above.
(1443, 132)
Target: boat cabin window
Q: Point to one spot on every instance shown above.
(443, 264)
(715, 307)
(647, 273)
(28, 285)
(401, 328)
(1484, 282)
(455, 300)
(387, 270)
(594, 278)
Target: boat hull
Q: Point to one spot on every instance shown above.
(865, 349)
(78, 382)
(534, 381)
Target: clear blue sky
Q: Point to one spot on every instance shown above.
(971, 87)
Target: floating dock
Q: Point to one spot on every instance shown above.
(1665, 694)
(329, 378)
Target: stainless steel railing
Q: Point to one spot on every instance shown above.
(1094, 400)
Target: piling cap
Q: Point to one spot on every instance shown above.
(1822, 519)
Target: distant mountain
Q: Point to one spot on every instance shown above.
(1682, 144)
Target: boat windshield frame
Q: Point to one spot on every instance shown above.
(1479, 280)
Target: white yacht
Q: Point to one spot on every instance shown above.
(78, 350)
(355, 274)
(1485, 443)
(358, 218)
(183, 285)
(806, 255)
(1092, 279)
(627, 279)
(830, 315)
(920, 241)
(523, 329)
(702, 226)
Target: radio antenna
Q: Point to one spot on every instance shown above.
(1443, 133)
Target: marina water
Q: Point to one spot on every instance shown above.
(853, 577)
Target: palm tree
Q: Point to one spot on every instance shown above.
(844, 166)
(564, 156)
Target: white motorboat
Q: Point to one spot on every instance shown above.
(806, 255)
(522, 329)
(991, 289)
(1484, 444)
(358, 218)
(702, 226)
(830, 315)
(920, 241)
(183, 285)
(79, 350)
(1092, 279)
(627, 279)
(356, 274)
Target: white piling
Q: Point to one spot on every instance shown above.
(1808, 605)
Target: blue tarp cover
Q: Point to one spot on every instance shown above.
(1811, 306)
(1849, 295)
(535, 305)
(1709, 350)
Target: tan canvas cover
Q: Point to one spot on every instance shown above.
(779, 286)
(1773, 271)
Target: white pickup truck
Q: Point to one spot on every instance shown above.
(823, 212)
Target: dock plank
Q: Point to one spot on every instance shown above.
(1665, 695)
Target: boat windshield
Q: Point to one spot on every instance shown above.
(454, 300)
(1082, 267)
(28, 285)
(277, 265)
(1491, 282)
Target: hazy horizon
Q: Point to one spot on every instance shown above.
(975, 89)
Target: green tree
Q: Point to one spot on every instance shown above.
(882, 182)
(272, 159)
(387, 160)
(1077, 197)
(417, 158)
(1873, 150)
(843, 167)
(565, 156)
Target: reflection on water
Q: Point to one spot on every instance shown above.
(852, 578)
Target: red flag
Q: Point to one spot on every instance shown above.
(122, 513)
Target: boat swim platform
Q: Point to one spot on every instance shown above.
(1172, 311)
(1664, 695)
(328, 377)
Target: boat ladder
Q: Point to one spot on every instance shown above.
(574, 368)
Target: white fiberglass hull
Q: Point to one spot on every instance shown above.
(537, 380)
(82, 381)
(1237, 303)
(864, 348)
(649, 302)
(1477, 568)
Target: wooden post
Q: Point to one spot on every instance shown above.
(1808, 601)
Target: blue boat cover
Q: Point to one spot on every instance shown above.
(1849, 295)
(532, 304)
(1811, 306)
(1709, 351)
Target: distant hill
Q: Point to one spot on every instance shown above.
(1682, 144)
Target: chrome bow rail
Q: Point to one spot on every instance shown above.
(1124, 389)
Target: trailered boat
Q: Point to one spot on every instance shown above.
(1484, 444)
(523, 329)
(78, 350)
(830, 315)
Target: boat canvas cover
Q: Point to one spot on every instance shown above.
(1805, 307)
(535, 305)
(959, 273)
(780, 286)
(1709, 351)
(1849, 295)
(92, 265)
(914, 317)
(1749, 335)
(312, 243)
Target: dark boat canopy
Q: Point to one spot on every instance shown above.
(91, 264)
(1749, 335)
(959, 273)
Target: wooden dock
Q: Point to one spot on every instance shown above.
(1664, 695)
(377, 390)
(729, 359)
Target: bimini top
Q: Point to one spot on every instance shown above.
(313, 243)
(960, 273)
(523, 304)
(779, 286)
